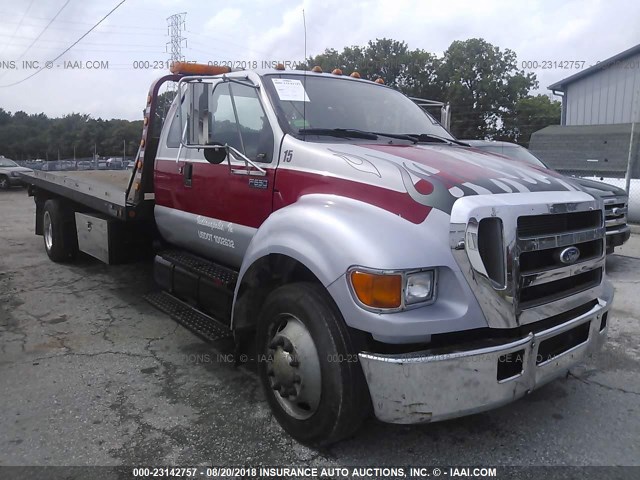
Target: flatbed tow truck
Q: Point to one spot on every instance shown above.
(377, 264)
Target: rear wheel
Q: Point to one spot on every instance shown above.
(59, 231)
(309, 371)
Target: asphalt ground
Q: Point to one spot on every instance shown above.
(90, 374)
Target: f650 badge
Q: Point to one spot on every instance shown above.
(261, 183)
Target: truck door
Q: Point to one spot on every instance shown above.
(216, 209)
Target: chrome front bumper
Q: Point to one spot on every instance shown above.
(424, 387)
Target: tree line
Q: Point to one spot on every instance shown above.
(29, 137)
(489, 97)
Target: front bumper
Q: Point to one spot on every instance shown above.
(424, 386)
(616, 238)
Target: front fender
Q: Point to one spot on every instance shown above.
(329, 233)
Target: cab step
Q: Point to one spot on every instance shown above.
(221, 276)
(204, 326)
(197, 281)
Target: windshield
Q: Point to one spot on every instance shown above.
(516, 152)
(5, 162)
(320, 102)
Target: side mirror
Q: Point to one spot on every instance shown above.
(216, 153)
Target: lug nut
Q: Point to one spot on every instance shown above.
(293, 362)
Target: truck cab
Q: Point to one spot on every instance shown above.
(369, 261)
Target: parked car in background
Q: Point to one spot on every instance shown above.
(115, 164)
(616, 200)
(10, 173)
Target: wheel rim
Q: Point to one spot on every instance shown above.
(293, 368)
(48, 231)
(4, 183)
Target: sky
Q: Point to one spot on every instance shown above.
(127, 51)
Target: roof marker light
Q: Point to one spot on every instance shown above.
(355, 75)
(380, 81)
(184, 68)
(280, 66)
(337, 71)
(317, 69)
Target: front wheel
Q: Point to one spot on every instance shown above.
(4, 183)
(308, 368)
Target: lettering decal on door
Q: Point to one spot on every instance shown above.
(215, 225)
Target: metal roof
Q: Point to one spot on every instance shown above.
(595, 68)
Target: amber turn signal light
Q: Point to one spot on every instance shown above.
(377, 291)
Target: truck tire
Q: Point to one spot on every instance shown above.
(4, 182)
(59, 231)
(307, 366)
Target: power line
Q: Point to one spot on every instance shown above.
(68, 48)
(119, 26)
(41, 33)
(44, 29)
(17, 27)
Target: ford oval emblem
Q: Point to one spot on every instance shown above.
(570, 255)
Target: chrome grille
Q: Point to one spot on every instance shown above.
(543, 277)
(615, 209)
(537, 284)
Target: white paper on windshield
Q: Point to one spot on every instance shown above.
(290, 90)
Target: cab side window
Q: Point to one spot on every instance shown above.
(228, 113)
(255, 131)
(225, 128)
(177, 129)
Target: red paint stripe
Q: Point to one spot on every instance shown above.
(292, 184)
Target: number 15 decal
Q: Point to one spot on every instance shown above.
(288, 156)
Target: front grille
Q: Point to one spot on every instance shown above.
(541, 260)
(613, 221)
(541, 275)
(548, 292)
(538, 225)
(549, 261)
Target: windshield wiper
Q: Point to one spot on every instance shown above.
(399, 136)
(425, 137)
(338, 132)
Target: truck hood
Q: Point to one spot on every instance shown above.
(599, 189)
(437, 175)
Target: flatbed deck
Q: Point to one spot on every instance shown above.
(102, 190)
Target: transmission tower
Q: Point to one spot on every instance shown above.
(176, 25)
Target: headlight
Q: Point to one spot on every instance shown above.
(14, 174)
(419, 287)
(392, 290)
